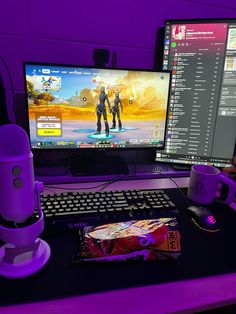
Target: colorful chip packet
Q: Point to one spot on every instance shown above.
(152, 239)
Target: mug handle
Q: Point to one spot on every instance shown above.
(228, 190)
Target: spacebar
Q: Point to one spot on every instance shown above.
(77, 213)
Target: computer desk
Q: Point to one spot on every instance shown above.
(181, 296)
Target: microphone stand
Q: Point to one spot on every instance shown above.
(24, 253)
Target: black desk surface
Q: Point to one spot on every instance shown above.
(203, 254)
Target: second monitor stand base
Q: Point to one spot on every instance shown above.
(97, 163)
(181, 166)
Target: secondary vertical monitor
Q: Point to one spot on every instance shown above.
(201, 125)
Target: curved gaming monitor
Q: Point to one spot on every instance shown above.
(202, 117)
(95, 109)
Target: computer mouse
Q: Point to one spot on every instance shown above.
(203, 218)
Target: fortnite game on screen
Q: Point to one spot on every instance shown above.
(71, 107)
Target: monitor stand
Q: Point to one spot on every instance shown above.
(96, 163)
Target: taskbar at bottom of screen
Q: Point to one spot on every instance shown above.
(102, 145)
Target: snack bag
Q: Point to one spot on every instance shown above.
(153, 239)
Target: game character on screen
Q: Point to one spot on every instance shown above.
(101, 111)
(115, 110)
(47, 83)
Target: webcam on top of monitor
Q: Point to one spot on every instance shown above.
(101, 57)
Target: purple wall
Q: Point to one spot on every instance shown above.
(63, 31)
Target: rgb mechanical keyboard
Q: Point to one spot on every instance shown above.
(74, 209)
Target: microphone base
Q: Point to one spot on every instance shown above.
(18, 263)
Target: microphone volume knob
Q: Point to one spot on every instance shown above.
(18, 183)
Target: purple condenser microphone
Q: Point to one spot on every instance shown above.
(23, 253)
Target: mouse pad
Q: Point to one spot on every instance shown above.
(203, 254)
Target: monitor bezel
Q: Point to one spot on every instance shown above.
(211, 20)
(87, 149)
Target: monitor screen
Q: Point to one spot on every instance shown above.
(85, 107)
(201, 125)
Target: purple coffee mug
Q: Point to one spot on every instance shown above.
(204, 182)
